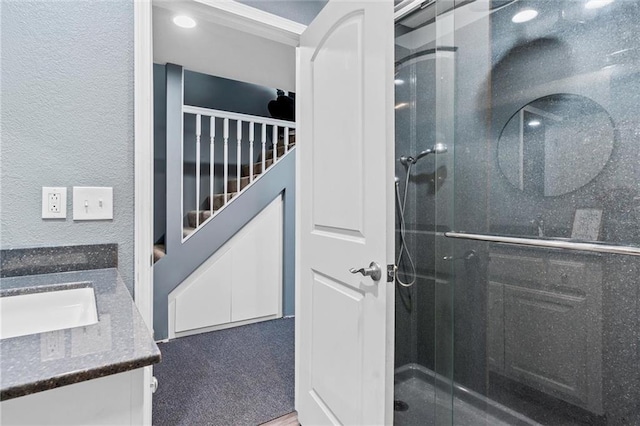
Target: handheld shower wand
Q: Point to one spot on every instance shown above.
(438, 148)
(408, 162)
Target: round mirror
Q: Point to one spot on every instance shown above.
(556, 144)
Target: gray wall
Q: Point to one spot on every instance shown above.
(159, 150)
(67, 119)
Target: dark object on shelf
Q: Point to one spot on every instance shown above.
(284, 107)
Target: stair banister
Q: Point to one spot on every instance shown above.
(232, 186)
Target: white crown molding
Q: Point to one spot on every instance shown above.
(240, 17)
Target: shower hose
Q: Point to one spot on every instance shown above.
(411, 273)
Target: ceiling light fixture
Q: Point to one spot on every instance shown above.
(398, 81)
(184, 21)
(597, 4)
(535, 123)
(524, 16)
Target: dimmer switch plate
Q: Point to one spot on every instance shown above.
(92, 203)
(54, 202)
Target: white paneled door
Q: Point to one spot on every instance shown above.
(344, 329)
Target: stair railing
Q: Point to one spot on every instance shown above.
(224, 119)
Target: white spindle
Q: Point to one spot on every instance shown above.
(226, 158)
(251, 135)
(275, 143)
(212, 136)
(286, 139)
(198, 132)
(264, 145)
(239, 156)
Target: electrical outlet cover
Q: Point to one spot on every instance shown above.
(54, 202)
(92, 203)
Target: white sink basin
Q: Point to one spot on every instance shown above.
(47, 311)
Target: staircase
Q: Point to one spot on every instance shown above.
(198, 218)
(186, 256)
(222, 170)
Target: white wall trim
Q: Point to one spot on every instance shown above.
(241, 17)
(143, 100)
(143, 176)
(176, 335)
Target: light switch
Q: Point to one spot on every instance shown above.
(92, 203)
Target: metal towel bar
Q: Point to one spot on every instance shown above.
(546, 243)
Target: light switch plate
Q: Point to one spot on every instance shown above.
(54, 202)
(92, 203)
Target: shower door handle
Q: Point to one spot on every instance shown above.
(372, 271)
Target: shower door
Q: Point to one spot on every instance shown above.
(525, 234)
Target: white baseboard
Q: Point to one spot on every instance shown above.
(224, 326)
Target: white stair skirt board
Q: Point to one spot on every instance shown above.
(239, 284)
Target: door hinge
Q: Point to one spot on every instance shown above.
(391, 273)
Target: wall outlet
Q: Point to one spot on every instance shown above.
(54, 202)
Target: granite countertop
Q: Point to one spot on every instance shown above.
(118, 342)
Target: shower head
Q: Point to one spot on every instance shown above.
(438, 148)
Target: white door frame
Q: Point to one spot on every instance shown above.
(264, 24)
(143, 163)
(224, 12)
(143, 178)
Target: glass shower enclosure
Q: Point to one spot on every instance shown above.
(518, 212)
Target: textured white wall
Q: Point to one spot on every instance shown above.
(224, 52)
(67, 119)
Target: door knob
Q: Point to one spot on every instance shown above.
(372, 271)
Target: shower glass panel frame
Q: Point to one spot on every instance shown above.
(525, 233)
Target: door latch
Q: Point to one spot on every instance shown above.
(391, 273)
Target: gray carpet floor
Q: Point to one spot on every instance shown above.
(239, 376)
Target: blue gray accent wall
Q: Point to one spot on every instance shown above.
(67, 120)
(159, 150)
(182, 259)
(214, 92)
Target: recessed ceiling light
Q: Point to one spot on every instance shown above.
(524, 16)
(535, 123)
(184, 21)
(398, 81)
(597, 4)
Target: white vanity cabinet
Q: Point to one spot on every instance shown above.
(544, 324)
(111, 400)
